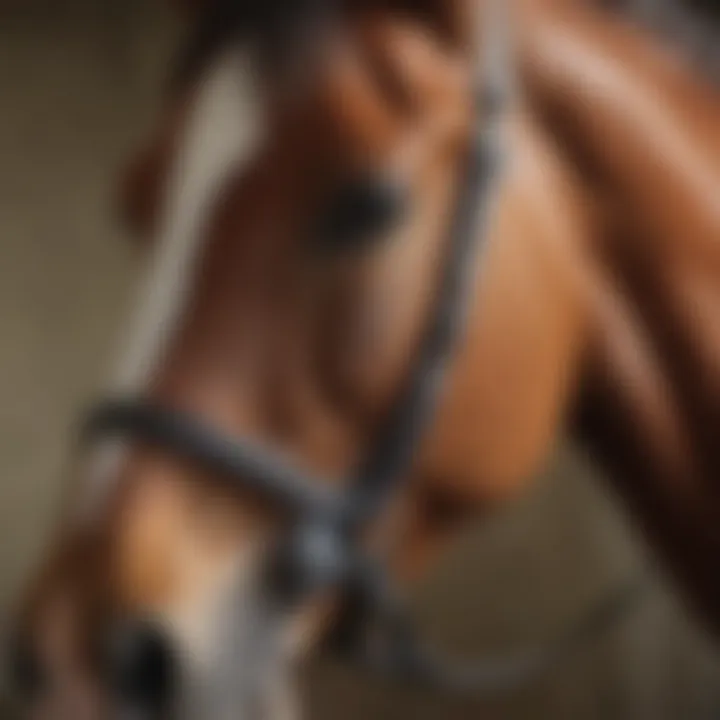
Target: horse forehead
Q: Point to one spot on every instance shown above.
(367, 86)
(398, 69)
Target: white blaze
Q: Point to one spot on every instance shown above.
(222, 131)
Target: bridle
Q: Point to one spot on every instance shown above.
(323, 549)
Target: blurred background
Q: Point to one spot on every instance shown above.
(80, 82)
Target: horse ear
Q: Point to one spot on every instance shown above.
(143, 183)
(140, 194)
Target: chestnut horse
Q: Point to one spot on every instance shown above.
(594, 309)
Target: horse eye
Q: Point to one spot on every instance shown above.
(359, 212)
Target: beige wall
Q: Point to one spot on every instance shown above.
(77, 89)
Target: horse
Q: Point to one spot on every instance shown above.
(299, 201)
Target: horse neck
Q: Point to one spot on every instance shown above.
(642, 133)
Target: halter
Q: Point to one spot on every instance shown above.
(322, 549)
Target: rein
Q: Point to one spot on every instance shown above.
(322, 550)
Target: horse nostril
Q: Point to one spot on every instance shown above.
(141, 666)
